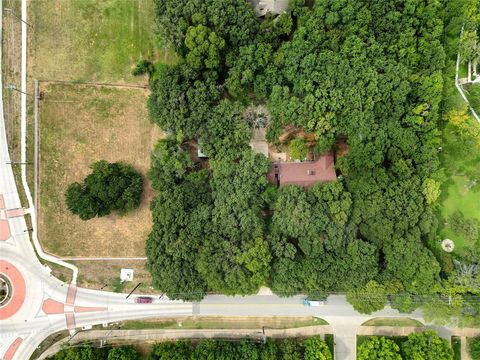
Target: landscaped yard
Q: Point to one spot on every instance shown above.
(78, 126)
(92, 40)
(461, 193)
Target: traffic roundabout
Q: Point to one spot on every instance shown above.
(5, 290)
(12, 290)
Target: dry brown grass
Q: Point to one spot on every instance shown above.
(78, 126)
(97, 274)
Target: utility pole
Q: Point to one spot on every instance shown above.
(13, 87)
(18, 17)
(104, 340)
(72, 336)
(135, 288)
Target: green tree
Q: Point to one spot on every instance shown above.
(474, 348)
(82, 353)
(169, 164)
(181, 216)
(370, 298)
(179, 350)
(181, 99)
(110, 187)
(426, 345)
(233, 20)
(226, 133)
(418, 270)
(123, 353)
(143, 67)
(316, 349)
(431, 190)
(237, 226)
(204, 48)
(298, 149)
(469, 47)
(378, 348)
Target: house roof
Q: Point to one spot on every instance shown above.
(305, 173)
(274, 6)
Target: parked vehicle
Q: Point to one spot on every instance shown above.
(144, 300)
(308, 302)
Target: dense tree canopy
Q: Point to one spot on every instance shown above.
(372, 297)
(426, 345)
(474, 348)
(369, 72)
(90, 353)
(378, 348)
(180, 215)
(235, 257)
(170, 164)
(182, 99)
(110, 187)
(308, 349)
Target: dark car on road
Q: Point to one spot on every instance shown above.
(143, 300)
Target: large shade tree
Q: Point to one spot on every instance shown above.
(110, 187)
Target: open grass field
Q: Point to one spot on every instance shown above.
(78, 126)
(461, 192)
(92, 40)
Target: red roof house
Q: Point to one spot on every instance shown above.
(306, 173)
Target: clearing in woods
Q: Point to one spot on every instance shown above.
(78, 126)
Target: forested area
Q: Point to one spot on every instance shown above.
(87, 352)
(300, 349)
(307, 349)
(368, 71)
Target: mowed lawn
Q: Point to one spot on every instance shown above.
(461, 158)
(92, 40)
(78, 126)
